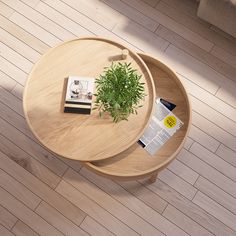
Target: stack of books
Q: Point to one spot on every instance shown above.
(79, 94)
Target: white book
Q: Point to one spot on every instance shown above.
(79, 94)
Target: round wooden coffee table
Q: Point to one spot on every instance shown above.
(135, 162)
(77, 136)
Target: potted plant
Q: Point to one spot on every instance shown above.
(119, 91)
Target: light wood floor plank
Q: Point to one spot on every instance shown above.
(5, 10)
(6, 82)
(197, 71)
(215, 209)
(208, 172)
(224, 56)
(32, 148)
(204, 139)
(133, 204)
(26, 215)
(41, 20)
(183, 171)
(11, 101)
(216, 194)
(25, 37)
(190, 226)
(227, 93)
(222, 33)
(31, 3)
(93, 228)
(132, 14)
(28, 162)
(60, 222)
(177, 183)
(34, 29)
(214, 130)
(214, 116)
(16, 43)
(184, 205)
(93, 209)
(5, 232)
(197, 28)
(213, 160)
(184, 13)
(10, 69)
(145, 195)
(18, 190)
(85, 25)
(16, 120)
(20, 123)
(209, 99)
(97, 11)
(192, 69)
(152, 3)
(140, 37)
(7, 219)
(188, 8)
(171, 24)
(110, 204)
(18, 91)
(15, 58)
(21, 229)
(227, 154)
(203, 56)
(61, 19)
(188, 143)
(66, 16)
(42, 190)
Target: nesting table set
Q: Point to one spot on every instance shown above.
(107, 148)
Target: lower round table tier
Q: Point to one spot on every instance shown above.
(135, 162)
(77, 136)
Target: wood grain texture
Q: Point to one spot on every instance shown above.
(59, 131)
(115, 208)
(135, 162)
(136, 206)
(204, 59)
(42, 190)
(21, 229)
(93, 228)
(7, 219)
(58, 220)
(5, 232)
(190, 226)
(26, 215)
(94, 210)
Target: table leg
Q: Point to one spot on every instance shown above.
(153, 178)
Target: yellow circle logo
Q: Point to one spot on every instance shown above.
(170, 122)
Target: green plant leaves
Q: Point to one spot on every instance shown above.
(119, 91)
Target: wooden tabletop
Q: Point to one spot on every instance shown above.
(77, 136)
(135, 162)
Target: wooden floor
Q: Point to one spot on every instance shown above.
(41, 194)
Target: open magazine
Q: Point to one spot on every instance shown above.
(162, 126)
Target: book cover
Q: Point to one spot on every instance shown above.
(79, 94)
(163, 125)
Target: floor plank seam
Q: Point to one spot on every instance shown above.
(214, 169)
(100, 205)
(39, 196)
(19, 38)
(31, 157)
(178, 208)
(30, 210)
(65, 16)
